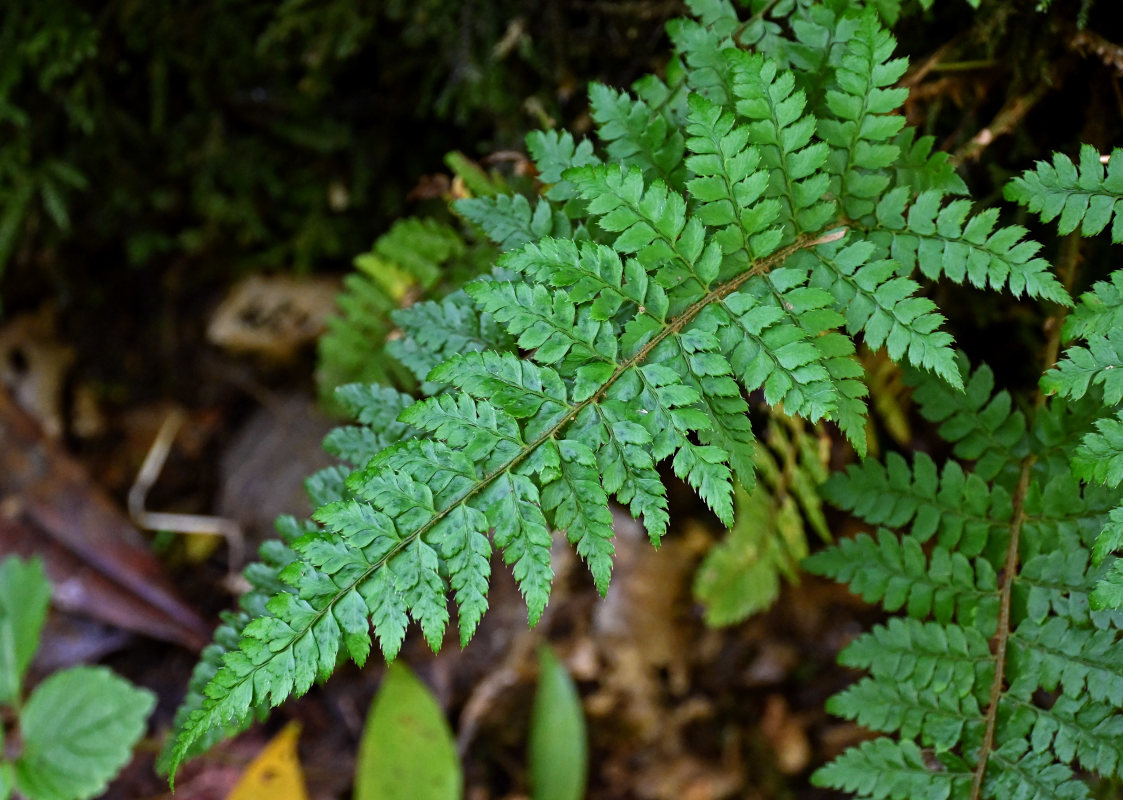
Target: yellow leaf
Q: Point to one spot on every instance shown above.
(275, 774)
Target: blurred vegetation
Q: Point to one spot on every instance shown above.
(243, 134)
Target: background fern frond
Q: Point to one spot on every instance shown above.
(1076, 196)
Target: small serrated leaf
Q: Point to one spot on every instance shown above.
(78, 728)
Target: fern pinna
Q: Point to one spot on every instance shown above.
(745, 220)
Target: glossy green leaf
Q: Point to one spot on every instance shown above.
(78, 729)
(407, 751)
(558, 749)
(24, 595)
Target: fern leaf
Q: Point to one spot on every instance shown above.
(513, 507)
(983, 425)
(433, 332)
(864, 123)
(264, 579)
(375, 408)
(886, 308)
(652, 222)
(768, 97)
(634, 134)
(1077, 196)
(580, 506)
(553, 153)
(942, 240)
(1100, 454)
(551, 326)
(700, 44)
(1097, 364)
(741, 574)
(922, 170)
(896, 573)
(1099, 311)
(938, 719)
(924, 654)
(728, 184)
(1034, 776)
(956, 506)
(509, 221)
(1089, 733)
(887, 770)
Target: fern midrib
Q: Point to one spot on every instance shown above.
(1002, 636)
(673, 326)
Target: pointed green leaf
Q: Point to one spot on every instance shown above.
(558, 748)
(407, 751)
(24, 595)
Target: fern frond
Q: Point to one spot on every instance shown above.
(864, 124)
(635, 134)
(886, 308)
(941, 240)
(768, 97)
(936, 678)
(1077, 196)
(983, 425)
(884, 769)
(737, 238)
(1093, 365)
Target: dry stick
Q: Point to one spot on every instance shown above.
(178, 523)
(1008, 118)
(1069, 256)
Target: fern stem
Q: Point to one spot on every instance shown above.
(1002, 636)
(1066, 269)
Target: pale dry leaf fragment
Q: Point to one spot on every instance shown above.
(273, 317)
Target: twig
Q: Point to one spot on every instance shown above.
(1066, 269)
(178, 523)
(1005, 121)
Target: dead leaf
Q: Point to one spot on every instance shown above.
(275, 774)
(97, 561)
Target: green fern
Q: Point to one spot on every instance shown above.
(417, 256)
(741, 227)
(1003, 677)
(1007, 558)
(741, 574)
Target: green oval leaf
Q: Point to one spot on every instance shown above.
(407, 751)
(24, 595)
(559, 752)
(78, 730)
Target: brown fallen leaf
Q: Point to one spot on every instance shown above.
(98, 562)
